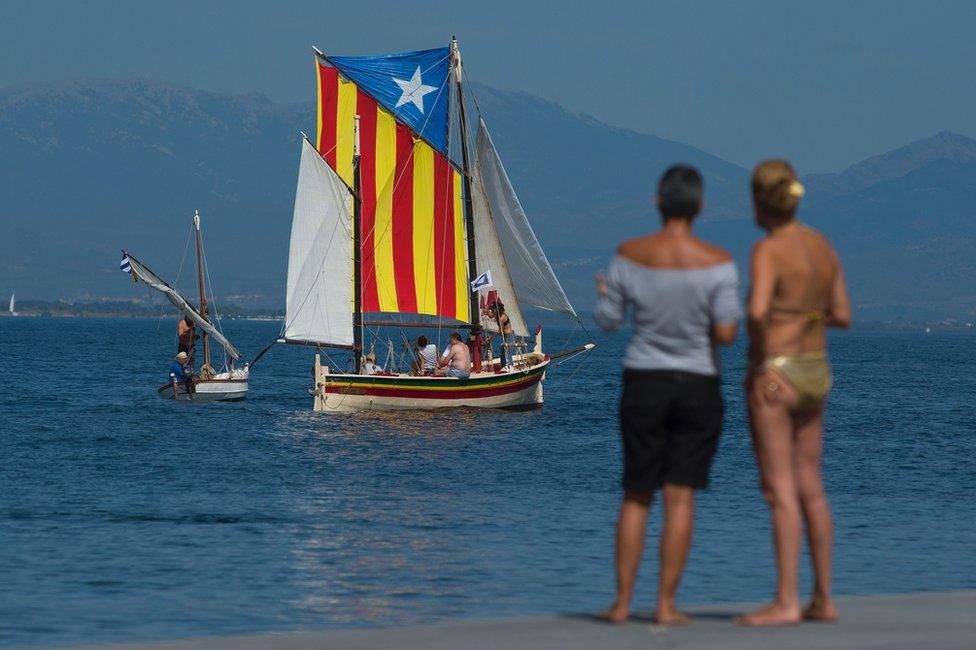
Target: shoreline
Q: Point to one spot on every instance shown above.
(899, 621)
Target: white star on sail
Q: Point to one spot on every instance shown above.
(413, 91)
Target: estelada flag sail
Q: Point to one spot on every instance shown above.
(413, 238)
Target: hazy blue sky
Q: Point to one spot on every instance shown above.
(823, 83)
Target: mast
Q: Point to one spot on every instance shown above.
(203, 294)
(473, 306)
(357, 271)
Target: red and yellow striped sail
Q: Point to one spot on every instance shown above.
(413, 239)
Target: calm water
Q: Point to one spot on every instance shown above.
(125, 517)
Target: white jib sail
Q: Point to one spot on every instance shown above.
(530, 272)
(319, 300)
(142, 272)
(490, 257)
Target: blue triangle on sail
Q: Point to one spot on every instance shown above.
(411, 85)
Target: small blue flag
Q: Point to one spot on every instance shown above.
(483, 281)
(124, 264)
(411, 85)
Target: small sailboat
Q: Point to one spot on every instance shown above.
(230, 383)
(13, 303)
(386, 221)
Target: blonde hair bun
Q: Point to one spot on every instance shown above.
(776, 189)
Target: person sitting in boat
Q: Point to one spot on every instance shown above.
(370, 367)
(426, 361)
(456, 360)
(186, 331)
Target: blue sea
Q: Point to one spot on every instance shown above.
(125, 517)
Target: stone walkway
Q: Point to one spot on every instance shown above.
(926, 621)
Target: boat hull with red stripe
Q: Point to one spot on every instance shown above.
(516, 389)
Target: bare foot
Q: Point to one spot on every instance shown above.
(617, 614)
(773, 614)
(670, 616)
(820, 610)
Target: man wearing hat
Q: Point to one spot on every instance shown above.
(178, 367)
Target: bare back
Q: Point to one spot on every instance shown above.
(797, 284)
(664, 250)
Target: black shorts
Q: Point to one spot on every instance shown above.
(670, 422)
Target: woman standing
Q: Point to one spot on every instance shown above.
(684, 296)
(797, 291)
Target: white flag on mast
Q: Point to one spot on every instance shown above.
(483, 281)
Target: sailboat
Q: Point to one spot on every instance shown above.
(13, 303)
(205, 385)
(387, 222)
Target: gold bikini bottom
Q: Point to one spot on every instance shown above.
(808, 374)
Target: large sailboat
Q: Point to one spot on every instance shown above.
(205, 384)
(390, 232)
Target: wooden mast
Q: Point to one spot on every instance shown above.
(473, 305)
(357, 272)
(200, 282)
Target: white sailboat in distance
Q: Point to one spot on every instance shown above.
(13, 303)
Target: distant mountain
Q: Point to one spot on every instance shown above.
(92, 166)
(943, 147)
(89, 167)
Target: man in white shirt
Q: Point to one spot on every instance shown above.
(426, 361)
(456, 360)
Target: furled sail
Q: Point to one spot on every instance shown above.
(529, 271)
(141, 272)
(318, 302)
(413, 242)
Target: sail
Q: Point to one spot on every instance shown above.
(529, 272)
(319, 298)
(413, 253)
(12, 302)
(490, 258)
(142, 272)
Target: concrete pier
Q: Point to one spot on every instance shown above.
(910, 621)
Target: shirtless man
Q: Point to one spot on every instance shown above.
(456, 360)
(797, 292)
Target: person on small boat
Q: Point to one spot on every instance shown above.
(426, 361)
(177, 369)
(186, 332)
(456, 360)
(370, 367)
(683, 293)
(797, 291)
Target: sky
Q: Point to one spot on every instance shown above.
(823, 83)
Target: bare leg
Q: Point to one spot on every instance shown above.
(772, 431)
(679, 513)
(631, 530)
(816, 512)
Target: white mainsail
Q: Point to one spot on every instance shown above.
(141, 272)
(319, 298)
(526, 267)
(13, 296)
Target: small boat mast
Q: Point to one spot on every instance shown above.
(201, 284)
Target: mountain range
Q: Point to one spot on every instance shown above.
(89, 167)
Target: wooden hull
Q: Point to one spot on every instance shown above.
(519, 389)
(208, 390)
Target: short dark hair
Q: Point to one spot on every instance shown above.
(456, 336)
(680, 191)
(422, 341)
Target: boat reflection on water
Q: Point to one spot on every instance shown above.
(408, 528)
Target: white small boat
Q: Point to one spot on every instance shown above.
(205, 385)
(13, 303)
